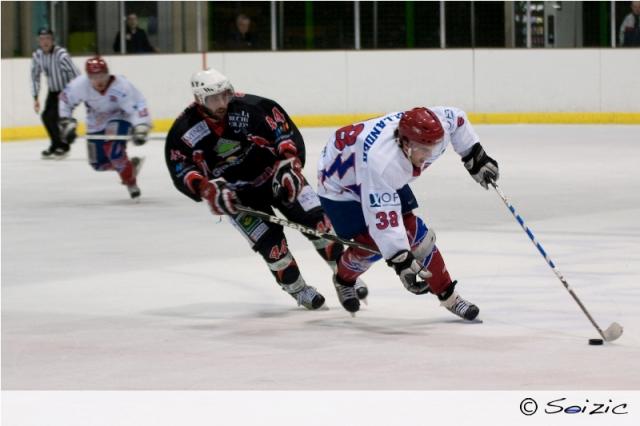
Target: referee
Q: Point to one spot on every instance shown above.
(56, 64)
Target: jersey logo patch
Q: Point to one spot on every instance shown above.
(460, 121)
(226, 147)
(384, 199)
(238, 121)
(196, 134)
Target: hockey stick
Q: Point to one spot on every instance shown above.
(614, 330)
(119, 137)
(304, 229)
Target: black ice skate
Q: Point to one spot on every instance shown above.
(361, 290)
(134, 191)
(309, 298)
(47, 154)
(58, 153)
(455, 304)
(304, 294)
(61, 152)
(347, 295)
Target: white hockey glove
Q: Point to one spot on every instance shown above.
(221, 199)
(139, 135)
(481, 167)
(67, 127)
(409, 270)
(288, 180)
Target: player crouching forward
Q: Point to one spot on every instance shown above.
(228, 149)
(363, 177)
(114, 108)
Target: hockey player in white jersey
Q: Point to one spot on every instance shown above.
(363, 176)
(114, 107)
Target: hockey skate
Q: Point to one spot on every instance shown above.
(304, 294)
(309, 298)
(455, 304)
(347, 295)
(361, 290)
(134, 191)
(59, 153)
(47, 154)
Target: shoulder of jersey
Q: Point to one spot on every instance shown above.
(252, 100)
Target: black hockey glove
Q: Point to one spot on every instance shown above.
(409, 270)
(481, 167)
(139, 135)
(288, 180)
(67, 127)
(221, 199)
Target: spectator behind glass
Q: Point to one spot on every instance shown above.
(136, 38)
(242, 37)
(630, 28)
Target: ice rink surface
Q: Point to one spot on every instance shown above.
(102, 293)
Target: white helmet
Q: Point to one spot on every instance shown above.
(209, 82)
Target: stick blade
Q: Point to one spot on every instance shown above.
(612, 332)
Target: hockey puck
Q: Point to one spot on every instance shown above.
(595, 341)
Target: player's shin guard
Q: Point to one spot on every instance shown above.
(424, 249)
(354, 261)
(331, 252)
(286, 272)
(126, 170)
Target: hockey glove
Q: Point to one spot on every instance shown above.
(139, 135)
(288, 180)
(67, 127)
(409, 270)
(481, 167)
(221, 199)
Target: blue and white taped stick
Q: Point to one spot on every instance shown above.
(614, 330)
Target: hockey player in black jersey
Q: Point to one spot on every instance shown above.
(229, 148)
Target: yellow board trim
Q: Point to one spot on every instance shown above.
(336, 120)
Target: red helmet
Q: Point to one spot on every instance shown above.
(96, 65)
(420, 125)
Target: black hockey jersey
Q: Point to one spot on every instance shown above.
(243, 148)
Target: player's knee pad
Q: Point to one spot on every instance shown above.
(97, 160)
(421, 238)
(285, 270)
(107, 155)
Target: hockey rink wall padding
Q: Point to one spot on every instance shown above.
(335, 87)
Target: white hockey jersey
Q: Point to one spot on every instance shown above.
(363, 162)
(121, 100)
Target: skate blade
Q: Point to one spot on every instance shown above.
(61, 157)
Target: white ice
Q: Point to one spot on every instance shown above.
(102, 293)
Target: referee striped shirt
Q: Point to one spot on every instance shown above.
(56, 65)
